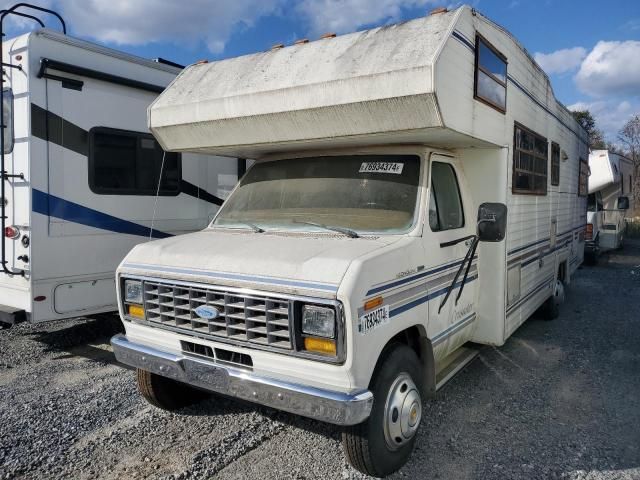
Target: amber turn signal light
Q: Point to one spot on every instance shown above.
(373, 303)
(136, 311)
(320, 345)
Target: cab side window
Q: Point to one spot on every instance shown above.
(445, 204)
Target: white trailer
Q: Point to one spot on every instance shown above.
(81, 174)
(610, 196)
(347, 279)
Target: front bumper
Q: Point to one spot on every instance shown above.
(324, 405)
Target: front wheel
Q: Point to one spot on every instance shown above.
(383, 443)
(166, 393)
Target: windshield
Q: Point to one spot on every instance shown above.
(361, 193)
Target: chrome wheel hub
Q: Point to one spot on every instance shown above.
(402, 412)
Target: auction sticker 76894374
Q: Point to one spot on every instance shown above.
(374, 319)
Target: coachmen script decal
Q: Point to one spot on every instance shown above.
(374, 319)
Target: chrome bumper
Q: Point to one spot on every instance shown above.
(324, 405)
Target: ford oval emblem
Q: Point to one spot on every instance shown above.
(207, 312)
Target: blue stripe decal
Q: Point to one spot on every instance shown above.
(543, 107)
(528, 245)
(535, 258)
(57, 207)
(447, 332)
(465, 41)
(234, 276)
(426, 298)
(537, 289)
(387, 286)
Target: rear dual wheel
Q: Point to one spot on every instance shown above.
(551, 308)
(383, 443)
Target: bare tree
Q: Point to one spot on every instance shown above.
(629, 135)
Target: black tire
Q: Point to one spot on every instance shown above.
(551, 308)
(165, 393)
(364, 444)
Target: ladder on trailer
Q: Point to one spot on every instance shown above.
(6, 176)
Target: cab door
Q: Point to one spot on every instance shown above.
(448, 240)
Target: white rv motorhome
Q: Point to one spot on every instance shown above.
(417, 187)
(610, 196)
(81, 174)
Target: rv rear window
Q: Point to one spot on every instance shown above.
(555, 164)
(490, 85)
(122, 162)
(7, 119)
(530, 158)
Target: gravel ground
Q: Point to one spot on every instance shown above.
(560, 400)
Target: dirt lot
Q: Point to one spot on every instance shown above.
(560, 400)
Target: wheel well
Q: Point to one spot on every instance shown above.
(415, 337)
(562, 272)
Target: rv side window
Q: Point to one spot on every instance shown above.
(583, 186)
(555, 164)
(445, 204)
(7, 119)
(490, 84)
(530, 157)
(122, 162)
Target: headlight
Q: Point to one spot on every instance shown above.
(133, 291)
(318, 321)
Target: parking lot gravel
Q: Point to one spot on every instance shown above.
(560, 399)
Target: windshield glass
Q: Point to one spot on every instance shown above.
(362, 193)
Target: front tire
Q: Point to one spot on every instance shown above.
(383, 443)
(165, 393)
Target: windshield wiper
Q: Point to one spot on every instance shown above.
(253, 227)
(345, 231)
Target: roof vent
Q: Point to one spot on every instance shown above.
(277, 46)
(438, 10)
(327, 35)
(301, 41)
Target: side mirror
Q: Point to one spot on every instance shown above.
(492, 222)
(623, 203)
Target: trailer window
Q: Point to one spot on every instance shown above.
(445, 207)
(530, 158)
(490, 84)
(7, 119)
(122, 162)
(583, 186)
(363, 193)
(555, 164)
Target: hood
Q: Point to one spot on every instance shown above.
(300, 264)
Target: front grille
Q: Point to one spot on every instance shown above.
(253, 319)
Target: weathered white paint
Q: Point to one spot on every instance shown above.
(335, 97)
